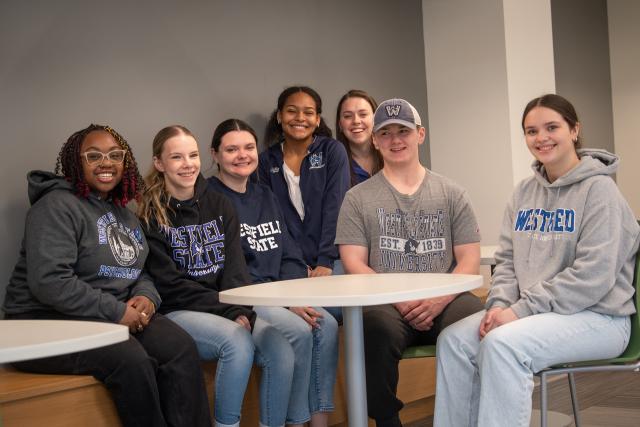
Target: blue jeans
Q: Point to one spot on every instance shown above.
(336, 312)
(236, 349)
(316, 359)
(489, 382)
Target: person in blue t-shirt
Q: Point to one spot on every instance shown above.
(272, 254)
(354, 128)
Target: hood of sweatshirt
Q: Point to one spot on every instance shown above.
(188, 211)
(592, 162)
(43, 182)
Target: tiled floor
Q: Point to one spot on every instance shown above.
(606, 399)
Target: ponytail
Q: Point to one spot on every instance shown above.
(155, 200)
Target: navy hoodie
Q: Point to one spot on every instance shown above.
(269, 250)
(324, 180)
(199, 255)
(80, 256)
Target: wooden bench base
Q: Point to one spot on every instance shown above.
(54, 400)
(34, 400)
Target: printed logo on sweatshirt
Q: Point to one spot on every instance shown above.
(274, 169)
(198, 248)
(316, 161)
(412, 242)
(125, 245)
(261, 237)
(558, 221)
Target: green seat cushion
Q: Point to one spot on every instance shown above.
(419, 351)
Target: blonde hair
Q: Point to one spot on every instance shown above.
(155, 199)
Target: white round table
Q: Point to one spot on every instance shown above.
(352, 292)
(33, 339)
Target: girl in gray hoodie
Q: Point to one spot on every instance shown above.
(563, 284)
(82, 258)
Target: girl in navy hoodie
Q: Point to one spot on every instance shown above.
(194, 237)
(308, 171)
(271, 255)
(82, 259)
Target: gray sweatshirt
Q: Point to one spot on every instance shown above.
(569, 245)
(81, 257)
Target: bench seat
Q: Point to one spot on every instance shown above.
(34, 400)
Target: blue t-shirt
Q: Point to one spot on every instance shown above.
(360, 174)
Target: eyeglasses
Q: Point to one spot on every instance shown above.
(96, 157)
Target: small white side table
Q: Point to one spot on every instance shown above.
(33, 339)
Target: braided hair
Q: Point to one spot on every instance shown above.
(69, 165)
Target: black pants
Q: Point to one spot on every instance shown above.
(154, 377)
(386, 336)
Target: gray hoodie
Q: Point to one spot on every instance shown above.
(569, 245)
(81, 257)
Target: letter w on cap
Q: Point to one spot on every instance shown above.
(393, 110)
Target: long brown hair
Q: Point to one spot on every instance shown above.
(340, 136)
(155, 199)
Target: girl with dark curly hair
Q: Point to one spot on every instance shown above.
(82, 259)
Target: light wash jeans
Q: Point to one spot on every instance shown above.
(236, 349)
(489, 382)
(336, 312)
(316, 359)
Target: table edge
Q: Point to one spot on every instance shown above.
(352, 300)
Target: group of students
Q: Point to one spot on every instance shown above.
(310, 206)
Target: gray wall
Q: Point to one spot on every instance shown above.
(139, 66)
(581, 54)
(624, 38)
(469, 104)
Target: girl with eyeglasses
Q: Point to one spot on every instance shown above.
(82, 259)
(272, 254)
(194, 236)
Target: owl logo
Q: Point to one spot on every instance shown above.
(411, 246)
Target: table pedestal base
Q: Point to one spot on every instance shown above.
(355, 375)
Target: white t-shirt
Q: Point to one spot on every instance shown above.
(293, 184)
